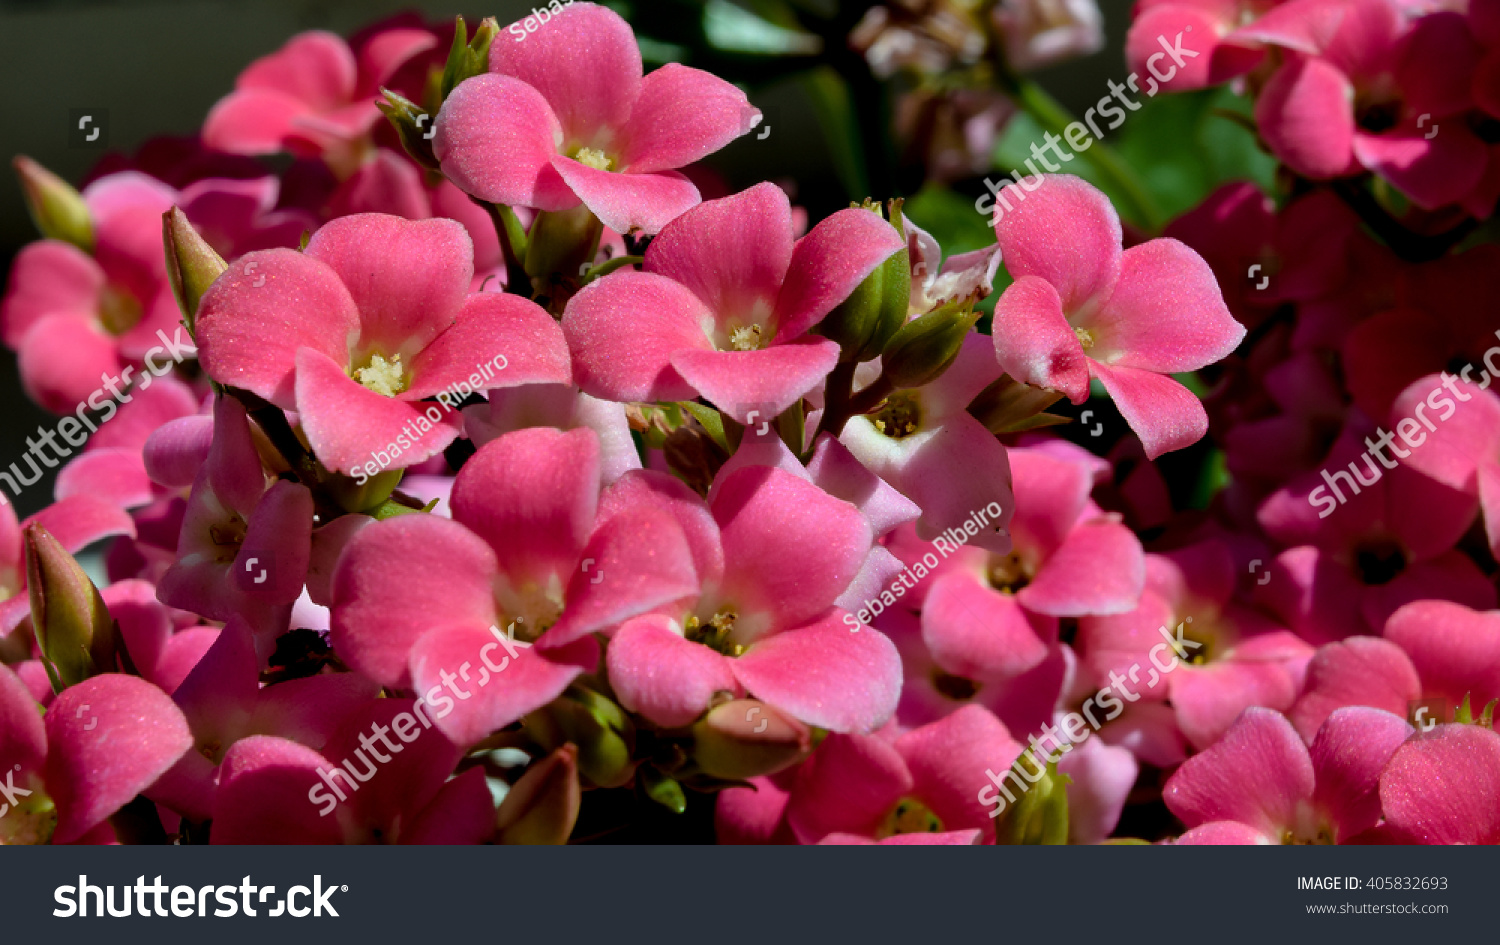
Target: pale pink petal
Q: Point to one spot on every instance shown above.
(499, 340)
(752, 229)
(681, 116)
(623, 331)
(495, 139)
(828, 264)
(1066, 233)
(825, 675)
(1164, 414)
(668, 679)
(766, 381)
(627, 202)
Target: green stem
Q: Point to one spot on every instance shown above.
(1054, 117)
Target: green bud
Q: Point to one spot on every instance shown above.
(73, 628)
(561, 244)
(468, 57)
(602, 731)
(746, 738)
(1040, 815)
(56, 208)
(662, 789)
(192, 264)
(927, 346)
(864, 322)
(367, 498)
(542, 807)
(413, 126)
(1009, 406)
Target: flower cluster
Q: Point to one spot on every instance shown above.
(508, 460)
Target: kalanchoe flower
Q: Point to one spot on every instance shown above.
(1359, 671)
(1443, 787)
(1454, 650)
(566, 116)
(72, 760)
(1081, 308)
(374, 317)
(561, 406)
(1261, 784)
(418, 599)
(724, 307)
(773, 552)
(113, 464)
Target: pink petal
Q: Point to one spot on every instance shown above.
(753, 815)
(1066, 233)
(1034, 342)
(1455, 650)
(62, 360)
(252, 121)
(495, 139)
(1210, 698)
(462, 813)
(623, 331)
(532, 495)
(1164, 414)
(1443, 787)
(23, 737)
(661, 675)
(1257, 775)
(1360, 671)
(48, 277)
(766, 381)
(1348, 754)
(847, 786)
(1305, 116)
(408, 278)
(175, 452)
(114, 475)
(948, 760)
(586, 64)
(825, 675)
(828, 264)
(445, 572)
(1223, 833)
(974, 631)
(681, 116)
(315, 67)
(265, 794)
(87, 774)
(1100, 569)
(499, 340)
(627, 202)
(1432, 172)
(249, 335)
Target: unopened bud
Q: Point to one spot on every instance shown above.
(192, 264)
(602, 731)
(1009, 406)
(1040, 816)
(542, 807)
(927, 346)
(864, 322)
(73, 627)
(468, 57)
(560, 243)
(413, 126)
(56, 208)
(746, 738)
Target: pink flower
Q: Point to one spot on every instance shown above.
(1443, 787)
(1230, 657)
(1359, 671)
(724, 307)
(1455, 650)
(1401, 82)
(773, 553)
(1081, 308)
(313, 96)
(374, 317)
(71, 758)
(566, 116)
(1261, 784)
(561, 406)
(991, 617)
(112, 465)
(1211, 46)
(927, 781)
(275, 790)
(415, 598)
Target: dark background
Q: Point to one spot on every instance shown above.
(157, 68)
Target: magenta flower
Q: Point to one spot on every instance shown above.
(1359, 671)
(1443, 787)
(1455, 650)
(1261, 784)
(418, 599)
(69, 761)
(1081, 308)
(374, 317)
(773, 553)
(724, 307)
(1462, 451)
(312, 97)
(566, 117)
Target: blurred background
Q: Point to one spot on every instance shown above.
(155, 68)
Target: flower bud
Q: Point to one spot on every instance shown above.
(1040, 816)
(368, 498)
(926, 346)
(864, 322)
(57, 209)
(560, 243)
(192, 264)
(73, 628)
(542, 807)
(1009, 406)
(413, 126)
(469, 57)
(602, 731)
(746, 738)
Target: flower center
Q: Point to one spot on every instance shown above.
(32, 817)
(386, 378)
(1085, 338)
(714, 633)
(900, 417)
(1008, 573)
(956, 688)
(908, 816)
(227, 536)
(119, 311)
(1379, 561)
(745, 338)
(533, 613)
(589, 157)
